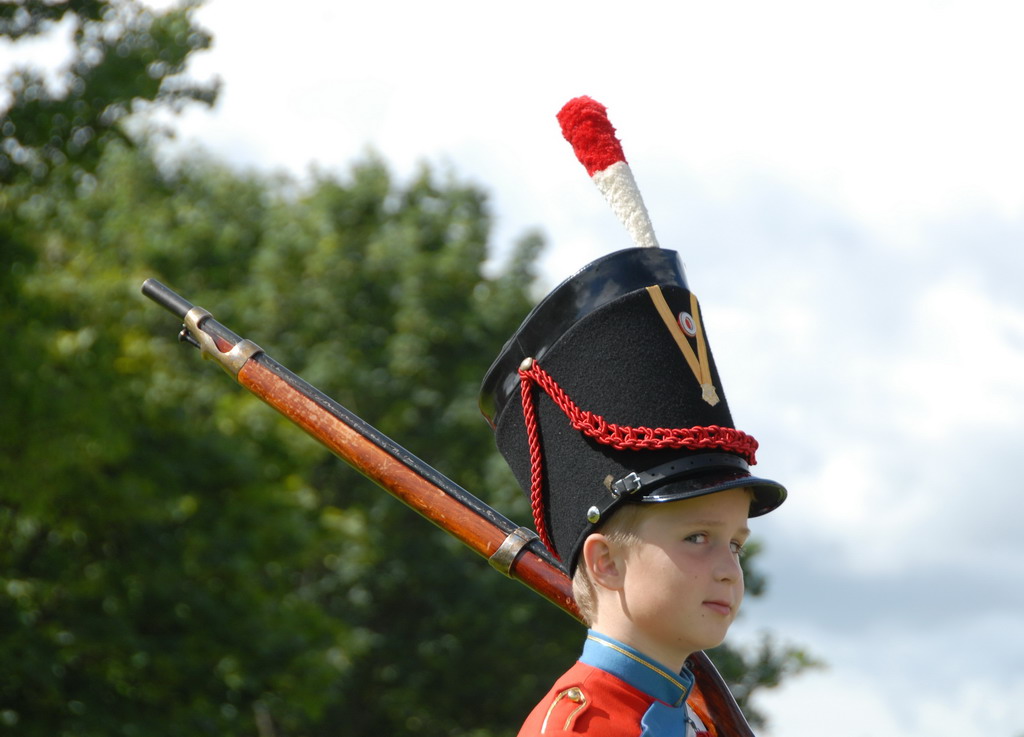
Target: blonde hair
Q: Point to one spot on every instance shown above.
(621, 529)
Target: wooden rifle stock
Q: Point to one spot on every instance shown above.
(512, 549)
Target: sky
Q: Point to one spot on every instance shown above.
(843, 182)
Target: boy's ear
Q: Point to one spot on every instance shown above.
(604, 565)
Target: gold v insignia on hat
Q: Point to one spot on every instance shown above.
(698, 362)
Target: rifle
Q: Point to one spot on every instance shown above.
(511, 549)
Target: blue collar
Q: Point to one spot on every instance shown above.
(636, 669)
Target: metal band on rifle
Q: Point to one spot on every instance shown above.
(232, 360)
(505, 556)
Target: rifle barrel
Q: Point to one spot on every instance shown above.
(166, 298)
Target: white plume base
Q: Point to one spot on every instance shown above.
(619, 188)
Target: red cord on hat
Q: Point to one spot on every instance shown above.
(625, 437)
(619, 437)
(536, 466)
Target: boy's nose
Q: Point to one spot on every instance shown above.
(727, 567)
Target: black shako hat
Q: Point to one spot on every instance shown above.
(608, 392)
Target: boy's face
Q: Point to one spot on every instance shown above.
(682, 583)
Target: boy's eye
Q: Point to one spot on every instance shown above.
(700, 538)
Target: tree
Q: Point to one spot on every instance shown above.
(178, 558)
(127, 58)
(136, 563)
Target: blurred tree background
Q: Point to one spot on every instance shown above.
(176, 559)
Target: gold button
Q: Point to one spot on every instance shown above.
(574, 695)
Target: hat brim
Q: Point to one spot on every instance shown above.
(767, 494)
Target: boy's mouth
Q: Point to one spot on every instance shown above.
(719, 607)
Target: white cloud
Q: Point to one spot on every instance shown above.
(918, 680)
(965, 365)
(853, 703)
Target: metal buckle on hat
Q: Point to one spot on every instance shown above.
(628, 484)
(633, 482)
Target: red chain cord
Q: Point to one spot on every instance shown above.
(620, 437)
(536, 464)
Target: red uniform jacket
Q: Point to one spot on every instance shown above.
(615, 691)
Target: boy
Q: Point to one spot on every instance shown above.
(608, 407)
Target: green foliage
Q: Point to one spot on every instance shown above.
(126, 58)
(178, 558)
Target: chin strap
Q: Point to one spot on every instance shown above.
(634, 482)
